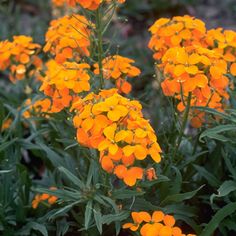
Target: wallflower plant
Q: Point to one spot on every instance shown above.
(75, 114)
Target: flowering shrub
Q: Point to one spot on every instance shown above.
(72, 121)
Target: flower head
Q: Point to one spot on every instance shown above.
(20, 57)
(194, 61)
(50, 199)
(68, 37)
(63, 82)
(115, 126)
(119, 69)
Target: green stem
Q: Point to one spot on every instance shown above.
(99, 45)
(185, 120)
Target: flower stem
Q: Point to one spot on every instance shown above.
(185, 120)
(99, 45)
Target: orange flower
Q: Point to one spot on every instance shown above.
(68, 38)
(115, 126)
(62, 82)
(158, 224)
(233, 69)
(20, 57)
(194, 60)
(37, 108)
(44, 197)
(176, 32)
(138, 218)
(150, 174)
(119, 69)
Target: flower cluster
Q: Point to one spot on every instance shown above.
(158, 224)
(192, 64)
(119, 69)
(50, 199)
(41, 107)
(224, 42)
(68, 38)
(115, 126)
(20, 57)
(90, 4)
(63, 82)
(176, 32)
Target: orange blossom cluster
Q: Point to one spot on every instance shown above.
(63, 82)
(157, 224)
(190, 63)
(44, 197)
(115, 126)
(39, 107)
(68, 38)
(119, 69)
(20, 57)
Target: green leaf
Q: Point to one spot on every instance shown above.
(181, 209)
(218, 218)
(229, 165)
(62, 227)
(211, 179)
(126, 194)
(2, 114)
(160, 179)
(39, 227)
(226, 188)
(179, 197)
(176, 183)
(5, 171)
(63, 194)
(215, 112)
(189, 221)
(55, 159)
(108, 219)
(191, 159)
(111, 202)
(74, 179)
(88, 214)
(91, 172)
(98, 217)
(34, 226)
(7, 144)
(219, 137)
(62, 211)
(214, 132)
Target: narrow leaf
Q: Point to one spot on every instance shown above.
(226, 188)
(88, 214)
(218, 218)
(179, 197)
(211, 179)
(74, 179)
